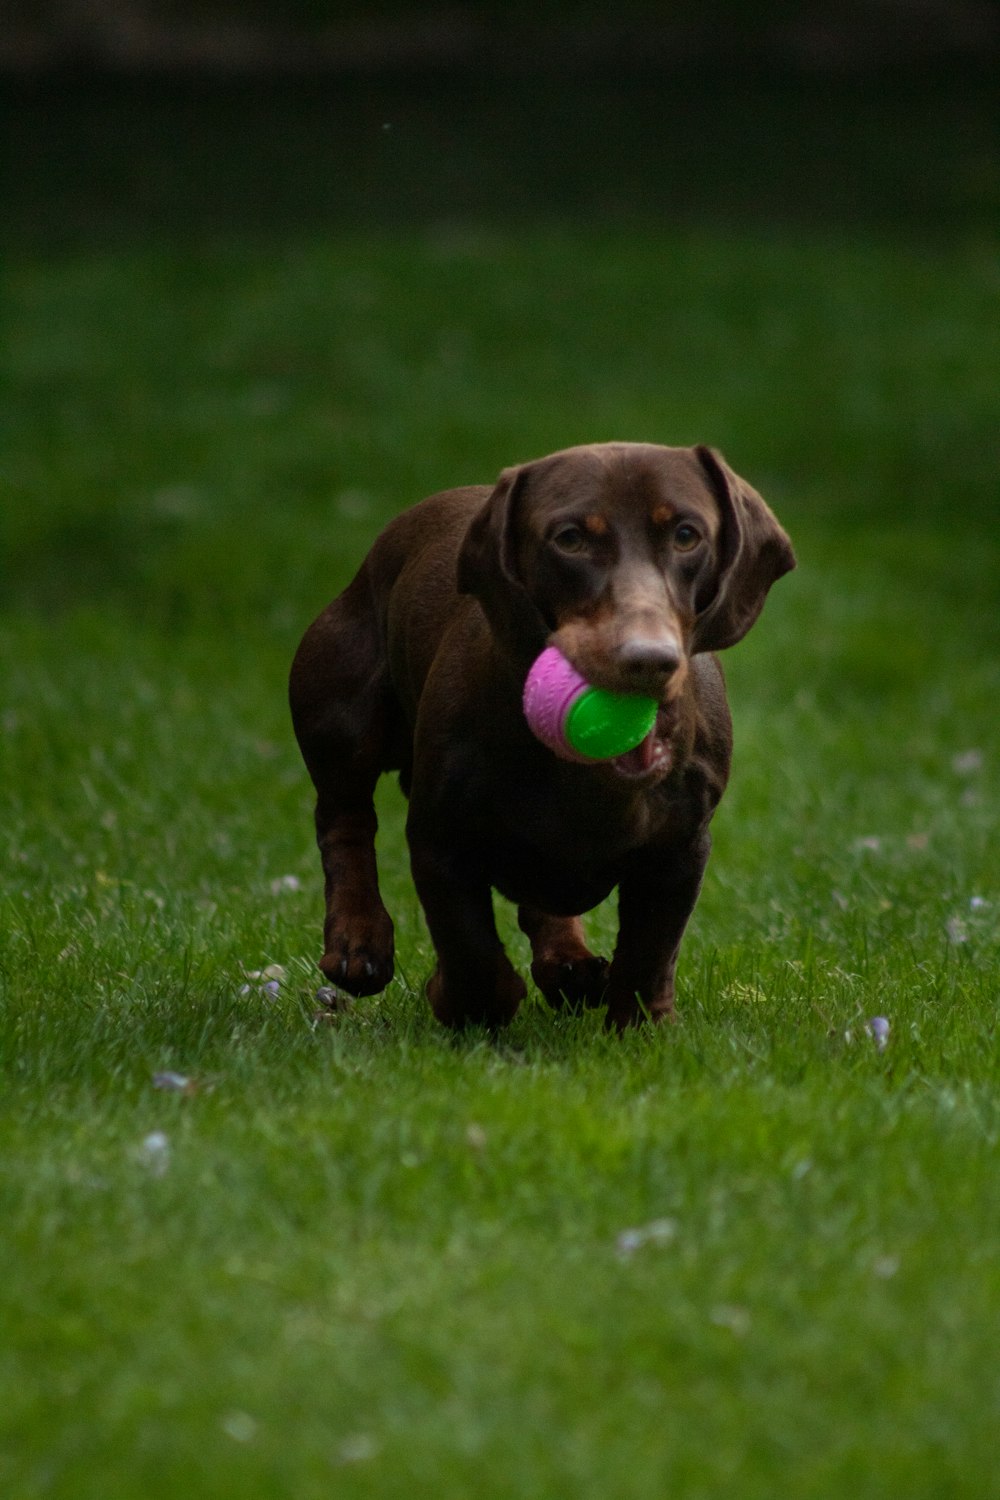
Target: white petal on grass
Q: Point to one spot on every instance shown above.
(332, 1001)
(357, 1449)
(878, 1029)
(154, 1153)
(240, 1426)
(967, 763)
(657, 1232)
(885, 1267)
(173, 1083)
(736, 1319)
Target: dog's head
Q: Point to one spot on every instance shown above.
(629, 557)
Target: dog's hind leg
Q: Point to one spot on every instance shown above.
(563, 967)
(345, 719)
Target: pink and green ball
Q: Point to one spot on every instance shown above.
(579, 722)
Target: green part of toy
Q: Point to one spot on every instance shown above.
(602, 725)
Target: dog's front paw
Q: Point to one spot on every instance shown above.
(572, 984)
(359, 957)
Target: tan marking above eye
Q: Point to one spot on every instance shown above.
(596, 525)
(662, 515)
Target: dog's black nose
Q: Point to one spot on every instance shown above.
(650, 658)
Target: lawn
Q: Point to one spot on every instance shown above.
(757, 1253)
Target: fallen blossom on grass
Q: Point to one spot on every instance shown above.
(878, 1030)
(658, 1232)
(967, 763)
(173, 1083)
(357, 1449)
(264, 981)
(180, 1083)
(240, 1426)
(154, 1153)
(885, 1267)
(330, 1004)
(736, 1319)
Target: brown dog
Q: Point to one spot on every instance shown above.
(637, 561)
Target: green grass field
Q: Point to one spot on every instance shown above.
(752, 1255)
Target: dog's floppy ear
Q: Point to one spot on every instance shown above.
(753, 553)
(488, 568)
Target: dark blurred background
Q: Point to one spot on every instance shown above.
(260, 254)
(310, 36)
(172, 116)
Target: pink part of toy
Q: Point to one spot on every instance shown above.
(551, 689)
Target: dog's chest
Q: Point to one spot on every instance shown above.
(565, 852)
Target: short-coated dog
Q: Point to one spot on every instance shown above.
(638, 562)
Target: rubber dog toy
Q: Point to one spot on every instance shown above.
(579, 722)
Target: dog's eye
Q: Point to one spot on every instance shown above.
(570, 539)
(686, 537)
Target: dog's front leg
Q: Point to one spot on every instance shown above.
(655, 899)
(357, 931)
(475, 982)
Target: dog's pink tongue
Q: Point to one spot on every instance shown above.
(641, 758)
